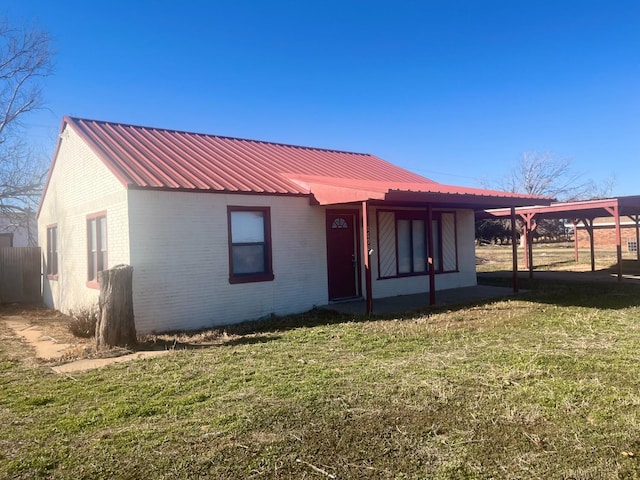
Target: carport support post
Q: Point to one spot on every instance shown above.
(432, 266)
(616, 215)
(514, 249)
(366, 255)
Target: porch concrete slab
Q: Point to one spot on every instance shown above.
(411, 303)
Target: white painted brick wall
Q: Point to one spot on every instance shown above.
(80, 184)
(179, 251)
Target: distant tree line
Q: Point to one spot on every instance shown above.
(498, 232)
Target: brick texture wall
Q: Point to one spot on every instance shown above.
(179, 250)
(80, 185)
(605, 237)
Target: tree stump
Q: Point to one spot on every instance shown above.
(115, 326)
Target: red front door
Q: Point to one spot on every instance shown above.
(342, 258)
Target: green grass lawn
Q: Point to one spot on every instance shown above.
(546, 385)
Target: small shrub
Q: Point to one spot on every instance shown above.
(83, 322)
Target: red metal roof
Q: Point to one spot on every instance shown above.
(154, 158)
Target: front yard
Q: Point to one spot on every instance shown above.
(544, 385)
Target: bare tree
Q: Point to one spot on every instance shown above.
(550, 176)
(547, 175)
(25, 60)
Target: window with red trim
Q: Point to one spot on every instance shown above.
(52, 250)
(249, 244)
(96, 246)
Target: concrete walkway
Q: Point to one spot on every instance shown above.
(49, 349)
(411, 303)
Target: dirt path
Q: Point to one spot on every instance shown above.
(40, 333)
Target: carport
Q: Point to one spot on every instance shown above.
(584, 212)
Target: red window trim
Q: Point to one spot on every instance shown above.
(93, 283)
(267, 276)
(418, 215)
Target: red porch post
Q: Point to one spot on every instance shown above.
(367, 260)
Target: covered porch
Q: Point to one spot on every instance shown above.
(379, 210)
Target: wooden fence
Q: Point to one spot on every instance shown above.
(20, 275)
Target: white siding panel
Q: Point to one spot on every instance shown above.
(80, 184)
(179, 251)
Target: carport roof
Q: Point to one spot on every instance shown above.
(627, 206)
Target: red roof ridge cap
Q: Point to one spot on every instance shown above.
(72, 119)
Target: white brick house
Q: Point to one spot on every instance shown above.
(221, 230)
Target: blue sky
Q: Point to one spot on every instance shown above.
(453, 90)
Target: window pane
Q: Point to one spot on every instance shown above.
(247, 227)
(419, 246)
(54, 251)
(248, 259)
(103, 234)
(92, 235)
(404, 246)
(92, 266)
